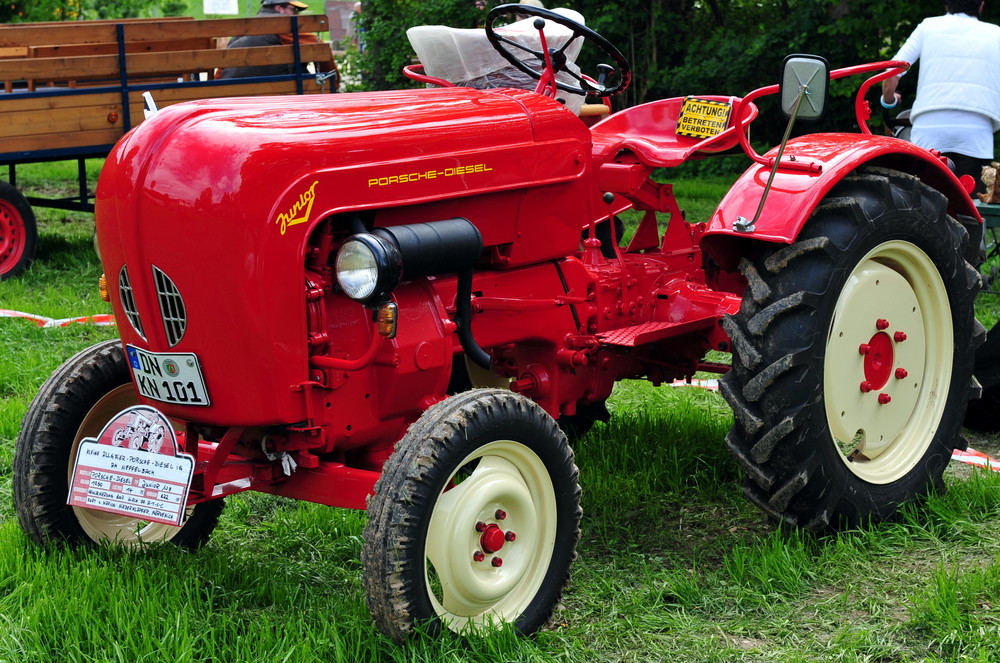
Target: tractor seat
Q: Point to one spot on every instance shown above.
(649, 131)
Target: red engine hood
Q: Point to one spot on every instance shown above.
(221, 196)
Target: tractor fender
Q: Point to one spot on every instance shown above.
(825, 159)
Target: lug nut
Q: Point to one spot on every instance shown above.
(901, 373)
(881, 324)
(884, 398)
(864, 349)
(510, 536)
(497, 562)
(899, 336)
(500, 514)
(866, 386)
(480, 527)
(478, 556)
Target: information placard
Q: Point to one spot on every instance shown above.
(134, 468)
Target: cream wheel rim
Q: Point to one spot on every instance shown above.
(491, 536)
(888, 362)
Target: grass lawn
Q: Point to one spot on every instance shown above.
(674, 564)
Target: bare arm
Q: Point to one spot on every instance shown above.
(889, 96)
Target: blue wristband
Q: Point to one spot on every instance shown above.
(894, 103)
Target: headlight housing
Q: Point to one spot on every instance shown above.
(368, 268)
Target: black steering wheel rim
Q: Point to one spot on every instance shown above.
(558, 56)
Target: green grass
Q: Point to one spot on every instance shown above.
(674, 564)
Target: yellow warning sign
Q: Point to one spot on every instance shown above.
(703, 118)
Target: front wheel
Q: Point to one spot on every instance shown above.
(475, 519)
(83, 395)
(852, 355)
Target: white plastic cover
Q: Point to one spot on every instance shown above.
(466, 57)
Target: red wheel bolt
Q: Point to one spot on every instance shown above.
(478, 556)
(500, 514)
(866, 386)
(899, 336)
(884, 398)
(480, 527)
(901, 373)
(864, 349)
(881, 324)
(497, 562)
(510, 536)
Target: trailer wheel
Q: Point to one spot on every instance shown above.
(853, 355)
(18, 232)
(76, 402)
(475, 519)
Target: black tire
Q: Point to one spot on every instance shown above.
(488, 458)
(818, 447)
(18, 232)
(77, 400)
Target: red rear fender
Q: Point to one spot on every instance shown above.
(825, 160)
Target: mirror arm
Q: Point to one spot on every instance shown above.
(742, 224)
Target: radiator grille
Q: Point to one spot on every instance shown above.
(171, 307)
(128, 301)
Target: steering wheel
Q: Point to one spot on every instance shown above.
(558, 57)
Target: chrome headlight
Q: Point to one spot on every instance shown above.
(368, 267)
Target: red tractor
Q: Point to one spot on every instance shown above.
(396, 301)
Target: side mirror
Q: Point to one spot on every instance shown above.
(805, 83)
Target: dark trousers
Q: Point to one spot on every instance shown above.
(966, 165)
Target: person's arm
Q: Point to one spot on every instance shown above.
(889, 96)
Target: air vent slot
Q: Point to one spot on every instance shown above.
(128, 301)
(171, 307)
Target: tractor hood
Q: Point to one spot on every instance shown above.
(220, 197)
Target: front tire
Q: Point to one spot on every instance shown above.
(852, 355)
(83, 395)
(475, 519)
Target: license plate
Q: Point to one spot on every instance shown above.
(173, 378)
(703, 118)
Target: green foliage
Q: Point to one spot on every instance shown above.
(25, 11)
(174, 7)
(111, 9)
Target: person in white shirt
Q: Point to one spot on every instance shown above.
(957, 106)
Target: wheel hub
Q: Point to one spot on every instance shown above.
(878, 360)
(492, 539)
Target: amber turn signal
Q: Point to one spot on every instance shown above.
(102, 286)
(386, 319)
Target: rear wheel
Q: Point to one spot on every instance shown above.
(18, 232)
(852, 355)
(83, 395)
(475, 519)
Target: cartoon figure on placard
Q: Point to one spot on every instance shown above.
(139, 431)
(155, 439)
